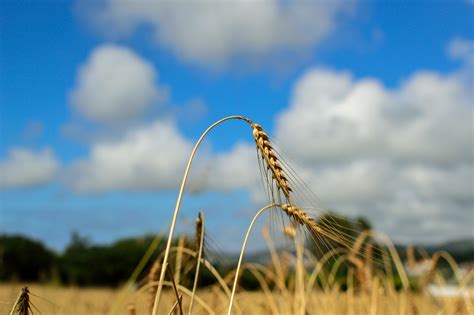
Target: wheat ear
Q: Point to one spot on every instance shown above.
(22, 304)
(270, 158)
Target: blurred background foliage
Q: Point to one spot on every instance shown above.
(83, 263)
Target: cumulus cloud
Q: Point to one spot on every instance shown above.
(406, 124)
(25, 168)
(150, 157)
(115, 85)
(402, 156)
(396, 155)
(235, 169)
(217, 31)
(154, 157)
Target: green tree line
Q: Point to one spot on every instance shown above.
(81, 263)
(85, 264)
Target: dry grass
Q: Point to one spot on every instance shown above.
(72, 300)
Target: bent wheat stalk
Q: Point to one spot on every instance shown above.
(254, 270)
(278, 177)
(178, 204)
(242, 251)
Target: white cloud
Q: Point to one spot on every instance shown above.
(235, 169)
(24, 168)
(151, 157)
(461, 48)
(399, 156)
(154, 156)
(115, 85)
(214, 32)
(347, 119)
(402, 156)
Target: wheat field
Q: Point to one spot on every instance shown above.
(70, 300)
(296, 281)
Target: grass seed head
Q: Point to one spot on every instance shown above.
(299, 216)
(199, 231)
(23, 306)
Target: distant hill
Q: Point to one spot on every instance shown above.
(462, 250)
(454, 247)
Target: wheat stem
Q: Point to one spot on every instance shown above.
(178, 204)
(16, 303)
(176, 292)
(242, 251)
(200, 229)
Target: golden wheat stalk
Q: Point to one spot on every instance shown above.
(278, 177)
(178, 205)
(179, 258)
(278, 170)
(241, 257)
(200, 246)
(296, 214)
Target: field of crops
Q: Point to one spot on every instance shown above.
(330, 267)
(60, 300)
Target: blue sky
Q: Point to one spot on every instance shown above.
(268, 61)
